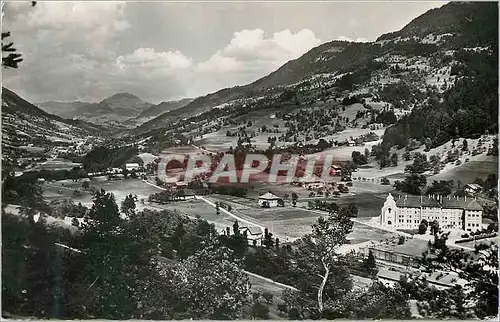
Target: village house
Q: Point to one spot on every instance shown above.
(132, 166)
(253, 233)
(452, 213)
(440, 280)
(269, 200)
(179, 185)
(473, 189)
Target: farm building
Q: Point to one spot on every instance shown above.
(253, 233)
(439, 280)
(180, 185)
(269, 199)
(473, 188)
(407, 254)
(132, 166)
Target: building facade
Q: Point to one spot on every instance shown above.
(406, 212)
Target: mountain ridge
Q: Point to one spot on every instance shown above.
(463, 20)
(23, 123)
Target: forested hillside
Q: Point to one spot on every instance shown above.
(468, 109)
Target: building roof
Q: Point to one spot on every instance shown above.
(443, 202)
(269, 196)
(474, 186)
(389, 274)
(470, 204)
(253, 230)
(411, 247)
(416, 201)
(440, 278)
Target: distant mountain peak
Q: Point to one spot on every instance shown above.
(123, 95)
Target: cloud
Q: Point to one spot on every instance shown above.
(84, 50)
(148, 58)
(91, 24)
(219, 63)
(278, 49)
(61, 15)
(251, 52)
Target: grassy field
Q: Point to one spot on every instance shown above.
(120, 188)
(286, 223)
(469, 171)
(194, 208)
(56, 164)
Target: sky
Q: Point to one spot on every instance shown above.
(161, 51)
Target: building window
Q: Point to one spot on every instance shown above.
(389, 222)
(389, 210)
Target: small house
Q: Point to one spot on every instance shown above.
(473, 188)
(132, 166)
(180, 185)
(336, 170)
(270, 200)
(252, 232)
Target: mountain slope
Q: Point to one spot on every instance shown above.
(450, 27)
(469, 108)
(112, 112)
(63, 109)
(332, 57)
(471, 23)
(23, 123)
(156, 110)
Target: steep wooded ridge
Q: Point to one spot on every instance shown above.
(471, 22)
(23, 123)
(438, 35)
(470, 107)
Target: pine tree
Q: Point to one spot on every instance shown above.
(369, 264)
(236, 228)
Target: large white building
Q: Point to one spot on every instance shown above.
(406, 212)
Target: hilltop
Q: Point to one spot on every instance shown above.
(26, 127)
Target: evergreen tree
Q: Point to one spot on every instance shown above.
(369, 264)
(236, 228)
(465, 146)
(128, 205)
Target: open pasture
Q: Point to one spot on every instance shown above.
(469, 171)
